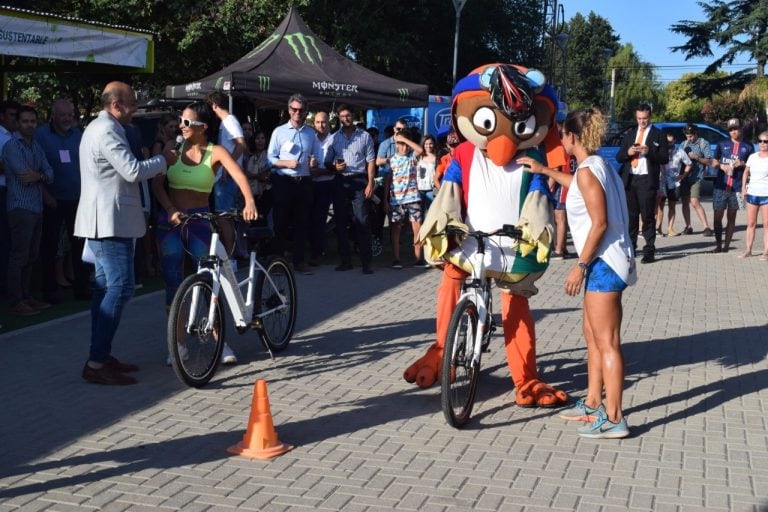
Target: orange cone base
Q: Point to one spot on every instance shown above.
(262, 453)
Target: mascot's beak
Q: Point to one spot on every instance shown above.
(501, 149)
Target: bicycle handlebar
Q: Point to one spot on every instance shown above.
(506, 230)
(210, 216)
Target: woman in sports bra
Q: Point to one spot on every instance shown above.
(190, 182)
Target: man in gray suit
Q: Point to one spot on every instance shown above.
(109, 215)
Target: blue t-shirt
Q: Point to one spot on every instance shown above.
(725, 154)
(63, 155)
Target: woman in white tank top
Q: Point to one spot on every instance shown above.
(598, 219)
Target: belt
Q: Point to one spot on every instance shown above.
(297, 179)
(355, 175)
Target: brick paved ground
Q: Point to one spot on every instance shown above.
(695, 344)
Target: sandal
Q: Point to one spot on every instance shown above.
(764, 257)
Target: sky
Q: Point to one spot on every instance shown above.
(647, 27)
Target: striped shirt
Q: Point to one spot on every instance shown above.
(356, 150)
(19, 157)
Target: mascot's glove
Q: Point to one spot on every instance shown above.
(445, 209)
(535, 223)
(528, 243)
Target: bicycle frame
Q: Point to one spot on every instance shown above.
(477, 289)
(219, 266)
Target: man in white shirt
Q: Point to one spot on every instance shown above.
(322, 189)
(231, 137)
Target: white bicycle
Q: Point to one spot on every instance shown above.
(196, 326)
(469, 332)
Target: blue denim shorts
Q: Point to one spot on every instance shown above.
(757, 200)
(602, 278)
(724, 200)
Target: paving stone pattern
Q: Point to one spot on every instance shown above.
(694, 341)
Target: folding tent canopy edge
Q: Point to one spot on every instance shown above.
(294, 59)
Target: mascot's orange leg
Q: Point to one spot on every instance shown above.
(425, 370)
(520, 343)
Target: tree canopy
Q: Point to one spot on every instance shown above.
(591, 44)
(739, 27)
(408, 40)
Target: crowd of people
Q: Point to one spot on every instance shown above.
(61, 186)
(658, 175)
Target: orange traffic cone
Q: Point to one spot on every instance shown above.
(260, 439)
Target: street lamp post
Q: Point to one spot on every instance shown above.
(458, 5)
(562, 43)
(608, 53)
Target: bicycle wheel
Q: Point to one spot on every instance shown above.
(459, 375)
(276, 328)
(195, 352)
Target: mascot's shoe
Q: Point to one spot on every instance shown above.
(424, 372)
(538, 394)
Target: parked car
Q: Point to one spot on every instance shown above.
(708, 133)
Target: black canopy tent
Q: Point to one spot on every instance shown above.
(293, 59)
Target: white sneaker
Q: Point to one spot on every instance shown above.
(227, 356)
(183, 352)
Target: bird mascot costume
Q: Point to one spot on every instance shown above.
(501, 112)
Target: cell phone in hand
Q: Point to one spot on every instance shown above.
(688, 149)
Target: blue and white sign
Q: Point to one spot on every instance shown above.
(436, 117)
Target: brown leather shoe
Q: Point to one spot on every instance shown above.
(106, 375)
(121, 367)
(22, 309)
(37, 304)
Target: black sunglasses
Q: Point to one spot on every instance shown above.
(762, 141)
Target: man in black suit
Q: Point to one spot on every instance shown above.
(642, 155)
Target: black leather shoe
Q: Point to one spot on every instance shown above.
(119, 366)
(106, 375)
(343, 267)
(648, 258)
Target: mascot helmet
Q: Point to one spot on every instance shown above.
(504, 108)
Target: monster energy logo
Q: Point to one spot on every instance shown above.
(403, 92)
(304, 47)
(264, 83)
(302, 40)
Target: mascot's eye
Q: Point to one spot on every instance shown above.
(484, 120)
(525, 128)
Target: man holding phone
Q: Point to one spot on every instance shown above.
(642, 155)
(354, 159)
(700, 152)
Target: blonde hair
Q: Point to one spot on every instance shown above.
(589, 126)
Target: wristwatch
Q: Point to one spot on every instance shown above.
(583, 266)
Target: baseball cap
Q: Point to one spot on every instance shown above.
(689, 129)
(734, 123)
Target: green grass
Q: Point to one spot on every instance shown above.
(68, 307)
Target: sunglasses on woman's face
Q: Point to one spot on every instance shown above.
(189, 122)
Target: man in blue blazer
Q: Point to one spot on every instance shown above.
(642, 156)
(110, 216)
